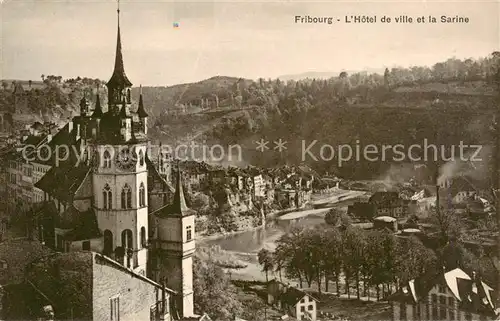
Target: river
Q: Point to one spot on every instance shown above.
(254, 240)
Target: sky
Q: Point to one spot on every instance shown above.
(247, 39)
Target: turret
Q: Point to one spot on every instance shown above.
(98, 109)
(119, 84)
(143, 115)
(176, 240)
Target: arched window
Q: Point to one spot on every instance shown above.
(127, 239)
(107, 197)
(108, 242)
(107, 159)
(126, 197)
(142, 195)
(141, 158)
(143, 236)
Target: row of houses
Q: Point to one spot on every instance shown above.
(287, 186)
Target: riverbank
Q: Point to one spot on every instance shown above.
(269, 218)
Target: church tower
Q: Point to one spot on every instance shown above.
(175, 247)
(119, 177)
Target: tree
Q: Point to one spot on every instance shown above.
(333, 257)
(265, 258)
(413, 259)
(213, 292)
(386, 78)
(449, 224)
(337, 218)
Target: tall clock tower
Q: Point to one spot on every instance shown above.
(119, 177)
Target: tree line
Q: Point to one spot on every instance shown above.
(365, 259)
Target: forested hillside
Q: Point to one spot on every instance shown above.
(451, 100)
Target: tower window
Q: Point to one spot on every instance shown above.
(127, 239)
(107, 197)
(142, 195)
(141, 158)
(189, 233)
(126, 197)
(107, 159)
(143, 236)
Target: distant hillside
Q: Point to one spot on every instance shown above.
(193, 96)
(325, 74)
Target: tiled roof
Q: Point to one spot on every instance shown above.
(17, 254)
(62, 182)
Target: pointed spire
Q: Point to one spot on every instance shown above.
(97, 110)
(179, 205)
(140, 110)
(119, 78)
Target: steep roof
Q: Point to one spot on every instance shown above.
(178, 206)
(140, 110)
(97, 109)
(473, 294)
(62, 182)
(119, 79)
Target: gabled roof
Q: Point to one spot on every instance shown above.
(63, 182)
(473, 294)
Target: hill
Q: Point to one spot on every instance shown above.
(326, 74)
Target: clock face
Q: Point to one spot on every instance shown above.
(126, 159)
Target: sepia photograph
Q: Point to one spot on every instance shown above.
(249, 160)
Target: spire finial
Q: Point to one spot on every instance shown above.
(140, 89)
